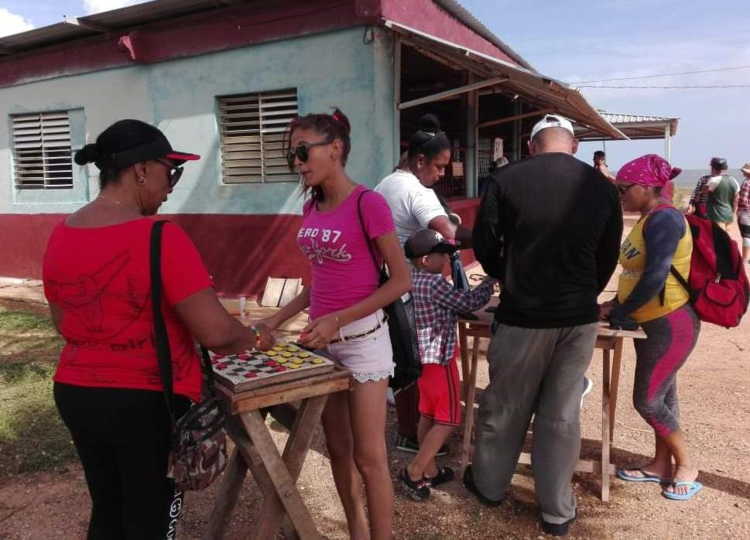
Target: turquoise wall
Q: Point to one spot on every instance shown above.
(338, 68)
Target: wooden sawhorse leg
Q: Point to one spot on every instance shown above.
(605, 424)
(471, 391)
(616, 364)
(276, 476)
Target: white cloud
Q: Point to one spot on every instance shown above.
(11, 23)
(97, 6)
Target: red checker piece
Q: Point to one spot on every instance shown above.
(279, 368)
(243, 356)
(250, 375)
(222, 365)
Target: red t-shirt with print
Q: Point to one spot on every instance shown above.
(100, 279)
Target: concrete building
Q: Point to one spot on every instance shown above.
(223, 79)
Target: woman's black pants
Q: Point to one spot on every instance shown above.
(122, 439)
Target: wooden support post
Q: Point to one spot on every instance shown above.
(499, 121)
(605, 425)
(451, 93)
(397, 50)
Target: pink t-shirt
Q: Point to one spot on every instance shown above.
(343, 270)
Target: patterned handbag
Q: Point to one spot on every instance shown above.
(198, 446)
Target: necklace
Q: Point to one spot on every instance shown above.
(111, 201)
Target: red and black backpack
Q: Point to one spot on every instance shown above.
(718, 285)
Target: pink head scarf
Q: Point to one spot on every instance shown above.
(650, 170)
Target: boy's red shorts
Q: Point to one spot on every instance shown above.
(440, 392)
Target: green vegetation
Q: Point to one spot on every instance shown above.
(32, 436)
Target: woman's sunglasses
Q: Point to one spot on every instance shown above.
(302, 152)
(624, 189)
(174, 173)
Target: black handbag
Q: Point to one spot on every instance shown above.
(198, 442)
(402, 325)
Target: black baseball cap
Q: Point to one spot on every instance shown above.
(130, 141)
(426, 241)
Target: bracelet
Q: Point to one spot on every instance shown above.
(254, 329)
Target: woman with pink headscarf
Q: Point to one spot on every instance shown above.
(649, 295)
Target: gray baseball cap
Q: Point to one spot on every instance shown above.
(426, 241)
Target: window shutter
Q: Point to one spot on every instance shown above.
(253, 127)
(42, 152)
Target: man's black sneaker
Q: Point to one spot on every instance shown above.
(557, 529)
(469, 484)
(418, 490)
(407, 444)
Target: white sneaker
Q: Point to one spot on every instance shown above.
(588, 384)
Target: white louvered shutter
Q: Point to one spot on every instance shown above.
(253, 127)
(42, 153)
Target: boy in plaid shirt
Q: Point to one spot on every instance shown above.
(436, 305)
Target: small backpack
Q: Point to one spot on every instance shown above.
(718, 285)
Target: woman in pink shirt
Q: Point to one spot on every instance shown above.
(347, 232)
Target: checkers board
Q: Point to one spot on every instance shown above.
(284, 362)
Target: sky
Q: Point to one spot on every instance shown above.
(591, 40)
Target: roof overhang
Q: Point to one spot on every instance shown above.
(546, 93)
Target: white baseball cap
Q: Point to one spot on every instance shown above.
(552, 120)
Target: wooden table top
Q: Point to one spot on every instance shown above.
(286, 392)
(484, 319)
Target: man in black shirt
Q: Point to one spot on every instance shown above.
(549, 229)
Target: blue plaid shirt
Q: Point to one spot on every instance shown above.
(436, 306)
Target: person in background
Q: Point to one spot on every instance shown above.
(743, 212)
(600, 164)
(651, 296)
(437, 305)
(416, 206)
(97, 281)
(548, 229)
(715, 195)
(347, 232)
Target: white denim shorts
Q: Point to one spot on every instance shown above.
(369, 358)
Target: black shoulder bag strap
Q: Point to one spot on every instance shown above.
(161, 338)
(380, 268)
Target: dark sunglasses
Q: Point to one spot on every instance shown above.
(302, 152)
(624, 189)
(173, 174)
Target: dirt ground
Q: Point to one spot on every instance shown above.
(715, 412)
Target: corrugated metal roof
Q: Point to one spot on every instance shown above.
(151, 11)
(465, 16)
(635, 126)
(46, 35)
(115, 19)
(633, 118)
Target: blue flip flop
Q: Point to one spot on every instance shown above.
(695, 487)
(622, 474)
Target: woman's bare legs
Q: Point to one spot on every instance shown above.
(367, 412)
(354, 425)
(337, 428)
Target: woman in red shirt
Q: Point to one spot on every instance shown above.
(96, 279)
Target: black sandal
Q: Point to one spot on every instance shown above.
(445, 474)
(418, 490)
